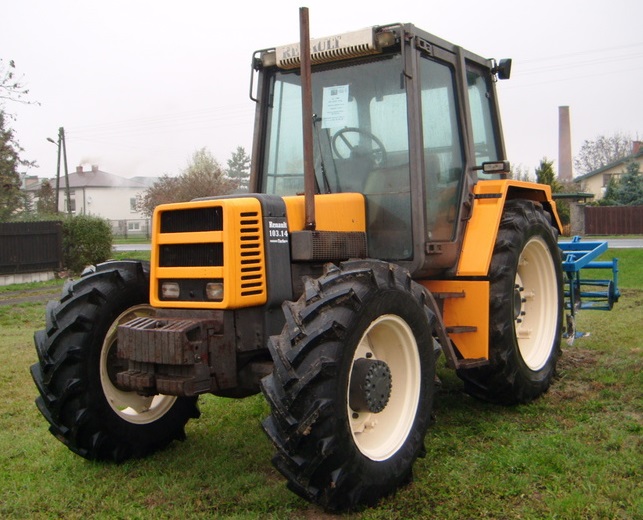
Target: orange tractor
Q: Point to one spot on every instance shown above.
(381, 230)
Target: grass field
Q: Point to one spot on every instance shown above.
(574, 453)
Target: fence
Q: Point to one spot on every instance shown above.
(132, 228)
(614, 220)
(30, 247)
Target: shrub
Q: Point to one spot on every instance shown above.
(87, 240)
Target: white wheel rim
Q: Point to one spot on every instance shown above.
(130, 406)
(536, 318)
(379, 436)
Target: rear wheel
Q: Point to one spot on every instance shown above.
(526, 308)
(352, 388)
(77, 367)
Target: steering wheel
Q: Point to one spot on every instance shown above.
(358, 150)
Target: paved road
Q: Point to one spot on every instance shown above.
(131, 247)
(625, 243)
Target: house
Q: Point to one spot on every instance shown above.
(596, 181)
(105, 195)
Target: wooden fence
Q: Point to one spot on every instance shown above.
(614, 220)
(30, 247)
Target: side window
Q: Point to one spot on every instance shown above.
(443, 152)
(484, 135)
(284, 172)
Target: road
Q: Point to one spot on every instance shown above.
(131, 247)
(613, 243)
(625, 243)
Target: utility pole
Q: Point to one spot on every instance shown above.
(62, 150)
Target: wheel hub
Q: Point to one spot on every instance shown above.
(518, 301)
(371, 385)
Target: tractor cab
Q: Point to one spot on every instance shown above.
(404, 125)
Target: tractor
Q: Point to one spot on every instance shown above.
(380, 231)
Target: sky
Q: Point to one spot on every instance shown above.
(140, 85)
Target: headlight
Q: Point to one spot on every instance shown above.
(170, 290)
(214, 291)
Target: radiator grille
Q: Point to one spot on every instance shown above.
(193, 219)
(191, 255)
(209, 254)
(252, 280)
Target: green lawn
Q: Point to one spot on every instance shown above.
(574, 453)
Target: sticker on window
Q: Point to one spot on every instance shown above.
(334, 106)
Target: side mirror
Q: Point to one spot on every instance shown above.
(503, 69)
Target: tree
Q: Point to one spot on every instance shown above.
(520, 173)
(630, 188)
(610, 198)
(545, 174)
(203, 177)
(46, 204)
(239, 168)
(603, 150)
(12, 199)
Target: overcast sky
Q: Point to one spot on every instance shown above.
(139, 85)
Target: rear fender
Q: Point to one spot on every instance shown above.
(482, 229)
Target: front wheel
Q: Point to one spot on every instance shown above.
(525, 309)
(352, 388)
(77, 367)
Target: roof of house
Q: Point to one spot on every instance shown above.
(611, 165)
(96, 178)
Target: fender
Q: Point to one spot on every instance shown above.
(488, 204)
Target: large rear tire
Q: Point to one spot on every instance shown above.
(77, 366)
(526, 309)
(352, 388)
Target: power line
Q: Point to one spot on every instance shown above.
(163, 122)
(582, 53)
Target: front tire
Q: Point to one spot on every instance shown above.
(77, 366)
(352, 388)
(526, 309)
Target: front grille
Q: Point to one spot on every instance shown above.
(192, 220)
(194, 248)
(251, 272)
(191, 255)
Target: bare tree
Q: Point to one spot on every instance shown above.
(12, 87)
(599, 152)
(203, 177)
(520, 173)
(46, 204)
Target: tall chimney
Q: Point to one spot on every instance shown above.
(564, 146)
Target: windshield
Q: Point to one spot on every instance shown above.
(360, 144)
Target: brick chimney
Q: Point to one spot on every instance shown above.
(94, 168)
(564, 145)
(79, 169)
(637, 146)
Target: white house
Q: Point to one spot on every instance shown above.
(95, 192)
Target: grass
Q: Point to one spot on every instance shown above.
(131, 255)
(574, 453)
